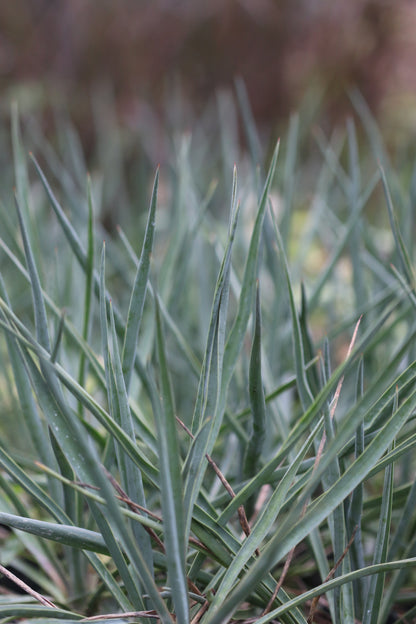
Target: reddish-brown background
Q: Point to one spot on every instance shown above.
(64, 50)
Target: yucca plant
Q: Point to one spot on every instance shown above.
(220, 425)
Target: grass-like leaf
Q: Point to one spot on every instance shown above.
(64, 534)
(170, 481)
(375, 592)
(196, 462)
(258, 405)
(402, 252)
(139, 291)
(88, 316)
(38, 301)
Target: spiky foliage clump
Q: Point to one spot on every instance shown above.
(220, 425)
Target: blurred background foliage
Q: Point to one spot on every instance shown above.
(117, 84)
(60, 55)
